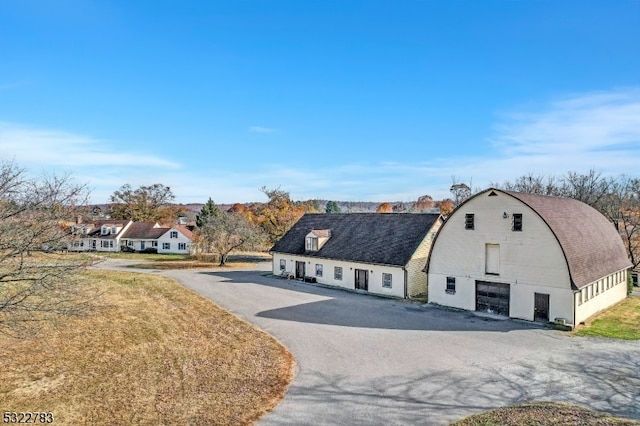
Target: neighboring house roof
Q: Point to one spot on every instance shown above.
(591, 245)
(377, 238)
(144, 231)
(184, 230)
(94, 228)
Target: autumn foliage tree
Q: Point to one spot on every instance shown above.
(145, 204)
(424, 203)
(279, 213)
(446, 206)
(384, 208)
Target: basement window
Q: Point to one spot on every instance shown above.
(451, 285)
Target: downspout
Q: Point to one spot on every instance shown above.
(406, 284)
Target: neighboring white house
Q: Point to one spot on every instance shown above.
(528, 256)
(177, 239)
(375, 252)
(113, 235)
(101, 235)
(143, 236)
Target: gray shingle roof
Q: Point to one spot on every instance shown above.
(377, 238)
(144, 230)
(592, 246)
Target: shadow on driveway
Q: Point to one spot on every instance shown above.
(609, 384)
(362, 310)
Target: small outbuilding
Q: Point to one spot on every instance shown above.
(533, 257)
(373, 252)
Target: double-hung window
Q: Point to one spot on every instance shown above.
(337, 273)
(451, 285)
(386, 280)
(318, 270)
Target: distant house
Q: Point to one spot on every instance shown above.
(176, 239)
(528, 256)
(116, 235)
(378, 253)
(100, 235)
(143, 236)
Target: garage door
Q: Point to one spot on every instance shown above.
(492, 297)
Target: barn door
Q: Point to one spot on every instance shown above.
(362, 279)
(493, 297)
(541, 307)
(300, 270)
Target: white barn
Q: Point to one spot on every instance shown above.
(382, 253)
(528, 256)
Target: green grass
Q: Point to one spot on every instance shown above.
(620, 322)
(155, 257)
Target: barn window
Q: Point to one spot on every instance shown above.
(469, 221)
(386, 280)
(451, 285)
(517, 222)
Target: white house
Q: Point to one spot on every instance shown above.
(177, 239)
(528, 256)
(374, 252)
(145, 236)
(101, 235)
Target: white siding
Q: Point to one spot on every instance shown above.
(174, 243)
(530, 260)
(348, 273)
(589, 301)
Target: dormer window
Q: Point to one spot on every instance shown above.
(113, 229)
(315, 239)
(311, 244)
(104, 230)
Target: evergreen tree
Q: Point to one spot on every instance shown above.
(208, 212)
(332, 207)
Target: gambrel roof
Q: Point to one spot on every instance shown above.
(591, 245)
(376, 238)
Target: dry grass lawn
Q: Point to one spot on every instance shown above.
(543, 414)
(157, 354)
(620, 322)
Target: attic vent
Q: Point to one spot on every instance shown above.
(492, 194)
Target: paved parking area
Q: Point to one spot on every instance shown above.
(365, 360)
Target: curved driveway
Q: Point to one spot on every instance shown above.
(365, 360)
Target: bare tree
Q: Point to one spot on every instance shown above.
(37, 282)
(145, 204)
(534, 184)
(461, 191)
(224, 233)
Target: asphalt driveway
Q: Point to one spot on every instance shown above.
(365, 360)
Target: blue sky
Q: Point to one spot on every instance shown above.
(345, 100)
